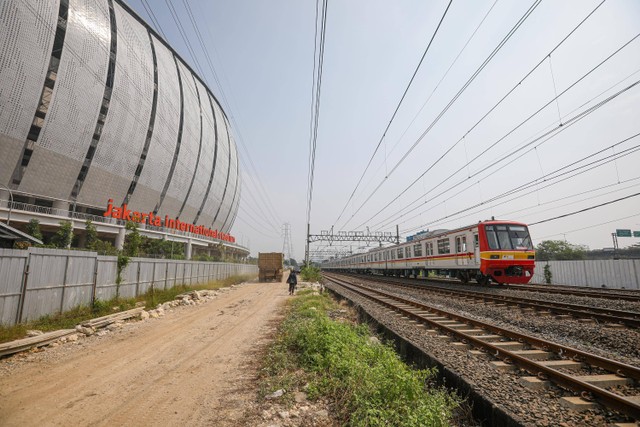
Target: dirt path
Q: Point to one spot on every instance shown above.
(194, 366)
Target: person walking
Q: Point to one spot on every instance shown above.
(292, 281)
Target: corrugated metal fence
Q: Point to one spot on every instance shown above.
(43, 281)
(612, 273)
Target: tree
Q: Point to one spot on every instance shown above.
(33, 229)
(91, 235)
(293, 263)
(550, 250)
(62, 238)
(133, 240)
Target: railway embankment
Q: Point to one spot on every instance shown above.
(498, 391)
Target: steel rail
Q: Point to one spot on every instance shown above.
(629, 318)
(605, 397)
(578, 291)
(626, 294)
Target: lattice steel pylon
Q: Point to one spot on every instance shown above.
(287, 248)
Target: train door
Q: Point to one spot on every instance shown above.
(476, 248)
(461, 251)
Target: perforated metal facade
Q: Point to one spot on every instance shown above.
(82, 120)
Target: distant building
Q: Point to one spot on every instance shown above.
(96, 107)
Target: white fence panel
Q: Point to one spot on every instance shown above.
(106, 277)
(145, 276)
(78, 285)
(129, 283)
(619, 273)
(44, 281)
(12, 266)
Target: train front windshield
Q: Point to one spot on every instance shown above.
(508, 237)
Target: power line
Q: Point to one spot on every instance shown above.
(316, 112)
(591, 226)
(495, 51)
(183, 34)
(153, 18)
(511, 131)
(269, 208)
(585, 209)
(393, 116)
(424, 104)
(246, 158)
(553, 176)
(495, 163)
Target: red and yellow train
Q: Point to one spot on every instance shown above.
(499, 251)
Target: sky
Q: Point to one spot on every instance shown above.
(546, 128)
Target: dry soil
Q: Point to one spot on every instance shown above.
(194, 366)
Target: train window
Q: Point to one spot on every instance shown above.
(475, 240)
(407, 252)
(492, 240)
(443, 246)
(400, 253)
(430, 248)
(508, 237)
(417, 250)
(461, 244)
(519, 236)
(503, 237)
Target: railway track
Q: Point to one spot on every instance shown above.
(616, 294)
(613, 294)
(547, 361)
(610, 316)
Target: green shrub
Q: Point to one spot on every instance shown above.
(369, 383)
(310, 273)
(547, 274)
(62, 238)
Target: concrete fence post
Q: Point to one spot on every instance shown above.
(138, 280)
(153, 277)
(166, 273)
(64, 283)
(23, 291)
(586, 276)
(95, 280)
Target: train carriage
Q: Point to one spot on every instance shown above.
(499, 251)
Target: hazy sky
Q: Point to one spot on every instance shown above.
(518, 163)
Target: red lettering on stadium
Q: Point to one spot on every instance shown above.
(125, 214)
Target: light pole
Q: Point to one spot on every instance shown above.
(10, 203)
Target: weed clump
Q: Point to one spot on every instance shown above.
(367, 382)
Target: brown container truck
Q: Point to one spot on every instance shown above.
(270, 266)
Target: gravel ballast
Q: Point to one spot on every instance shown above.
(529, 407)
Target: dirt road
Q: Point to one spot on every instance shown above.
(194, 366)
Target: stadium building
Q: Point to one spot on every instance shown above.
(101, 119)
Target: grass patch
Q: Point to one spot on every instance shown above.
(367, 383)
(69, 319)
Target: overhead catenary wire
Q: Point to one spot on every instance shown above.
(446, 73)
(477, 72)
(541, 139)
(585, 209)
(591, 226)
(475, 213)
(315, 117)
(261, 191)
(393, 116)
(556, 174)
(265, 201)
(505, 135)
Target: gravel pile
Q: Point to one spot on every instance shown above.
(532, 408)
